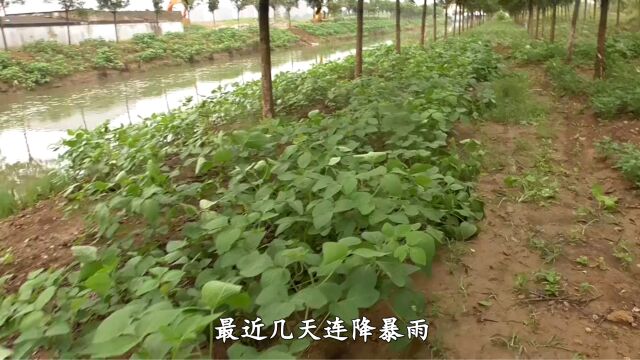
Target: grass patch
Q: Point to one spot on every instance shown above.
(626, 157)
(514, 102)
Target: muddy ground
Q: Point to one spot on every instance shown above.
(487, 298)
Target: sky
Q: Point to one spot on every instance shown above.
(199, 14)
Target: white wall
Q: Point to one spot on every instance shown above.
(19, 36)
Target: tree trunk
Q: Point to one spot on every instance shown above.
(530, 19)
(455, 18)
(572, 36)
(268, 110)
(435, 23)
(586, 5)
(359, 35)
(115, 24)
(398, 26)
(553, 20)
(537, 21)
(618, 14)
(446, 19)
(595, 8)
(66, 15)
(4, 36)
(289, 17)
(213, 15)
(544, 21)
(423, 25)
(600, 68)
(460, 19)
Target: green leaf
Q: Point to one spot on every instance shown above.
(174, 245)
(44, 297)
(348, 182)
(276, 311)
(222, 156)
(418, 256)
(368, 253)
(322, 214)
(226, 239)
(396, 272)
(151, 210)
(311, 297)
(254, 264)
(153, 321)
(206, 204)
(465, 230)
(333, 251)
(363, 202)
(100, 282)
(334, 160)
(350, 241)
(114, 325)
(116, 346)
(215, 292)
(5, 353)
(392, 184)
(304, 160)
(85, 254)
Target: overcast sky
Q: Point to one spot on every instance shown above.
(200, 13)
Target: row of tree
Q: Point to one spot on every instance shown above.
(468, 13)
(530, 12)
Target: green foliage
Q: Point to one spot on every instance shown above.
(608, 203)
(514, 102)
(348, 27)
(282, 219)
(566, 80)
(626, 157)
(619, 93)
(107, 58)
(551, 280)
(23, 185)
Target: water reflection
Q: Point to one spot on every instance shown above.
(31, 124)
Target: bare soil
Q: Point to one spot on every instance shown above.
(39, 237)
(477, 312)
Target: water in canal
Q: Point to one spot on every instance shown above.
(32, 123)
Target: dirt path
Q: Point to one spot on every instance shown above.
(39, 237)
(487, 301)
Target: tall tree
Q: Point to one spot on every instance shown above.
(601, 68)
(435, 22)
(398, 26)
(618, 13)
(530, 18)
(537, 21)
(456, 18)
(157, 9)
(274, 4)
(359, 35)
(3, 5)
(446, 18)
(584, 16)
(553, 20)
(572, 35)
(423, 24)
(213, 5)
(67, 6)
(113, 6)
(240, 5)
(268, 110)
(288, 5)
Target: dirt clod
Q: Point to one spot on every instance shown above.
(621, 316)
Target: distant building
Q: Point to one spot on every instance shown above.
(22, 29)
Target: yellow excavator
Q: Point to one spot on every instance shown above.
(185, 5)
